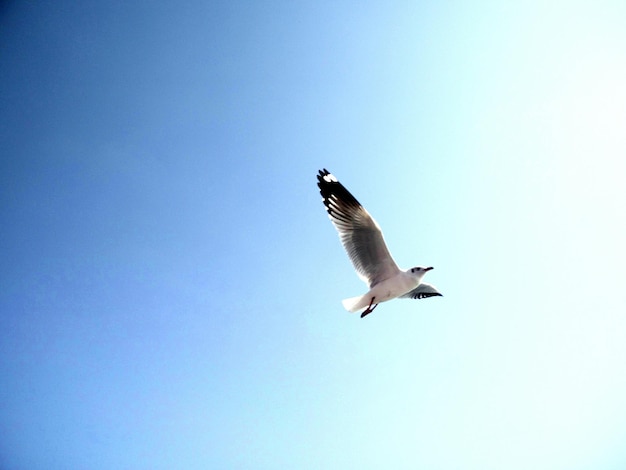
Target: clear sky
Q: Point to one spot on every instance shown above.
(170, 284)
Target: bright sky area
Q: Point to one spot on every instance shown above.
(171, 285)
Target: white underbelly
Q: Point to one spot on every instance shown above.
(392, 288)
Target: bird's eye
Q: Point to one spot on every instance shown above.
(412, 270)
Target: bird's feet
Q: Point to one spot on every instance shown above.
(369, 308)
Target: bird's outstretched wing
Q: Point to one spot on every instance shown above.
(358, 231)
(422, 291)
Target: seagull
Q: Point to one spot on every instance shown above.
(363, 240)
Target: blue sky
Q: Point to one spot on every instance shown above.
(171, 284)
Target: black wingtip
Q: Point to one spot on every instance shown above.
(330, 185)
(322, 174)
(425, 295)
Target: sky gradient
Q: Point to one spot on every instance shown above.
(170, 291)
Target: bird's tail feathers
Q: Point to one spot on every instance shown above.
(353, 304)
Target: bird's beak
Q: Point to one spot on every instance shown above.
(429, 268)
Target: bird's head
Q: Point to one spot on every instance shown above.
(419, 271)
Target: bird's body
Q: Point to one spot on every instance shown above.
(363, 240)
(388, 289)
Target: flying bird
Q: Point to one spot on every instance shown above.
(363, 240)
